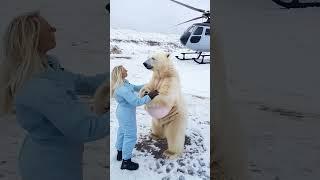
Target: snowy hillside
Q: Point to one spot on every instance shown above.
(131, 49)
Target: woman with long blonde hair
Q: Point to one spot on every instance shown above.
(116, 78)
(43, 95)
(127, 101)
(22, 57)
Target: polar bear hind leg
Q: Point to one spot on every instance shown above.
(175, 134)
(157, 130)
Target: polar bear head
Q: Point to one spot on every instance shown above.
(158, 61)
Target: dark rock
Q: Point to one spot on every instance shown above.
(181, 170)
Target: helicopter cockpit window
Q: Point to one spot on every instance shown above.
(207, 32)
(198, 31)
(195, 39)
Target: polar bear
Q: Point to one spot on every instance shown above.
(170, 121)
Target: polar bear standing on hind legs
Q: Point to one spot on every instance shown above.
(168, 109)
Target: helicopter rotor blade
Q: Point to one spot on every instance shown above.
(191, 20)
(190, 7)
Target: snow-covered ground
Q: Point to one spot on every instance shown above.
(130, 49)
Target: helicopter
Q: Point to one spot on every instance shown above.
(196, 37)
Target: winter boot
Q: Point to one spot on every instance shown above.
(129, 165)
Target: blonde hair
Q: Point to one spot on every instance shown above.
(21, 57)
(116, 78)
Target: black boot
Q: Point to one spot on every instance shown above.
(129, 165)
(119, 156)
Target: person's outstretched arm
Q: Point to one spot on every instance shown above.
(62, 108)
(84, 85)
(87, 85)
(132, 98)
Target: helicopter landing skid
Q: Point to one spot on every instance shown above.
(202, 60)
(194, 59)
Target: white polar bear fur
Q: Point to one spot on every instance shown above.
(166, 80)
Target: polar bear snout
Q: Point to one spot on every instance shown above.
(148, 64)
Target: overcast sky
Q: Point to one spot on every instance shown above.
(154, 15)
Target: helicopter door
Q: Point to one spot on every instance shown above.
(205, 41)
(195, 38)
(200, 39)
